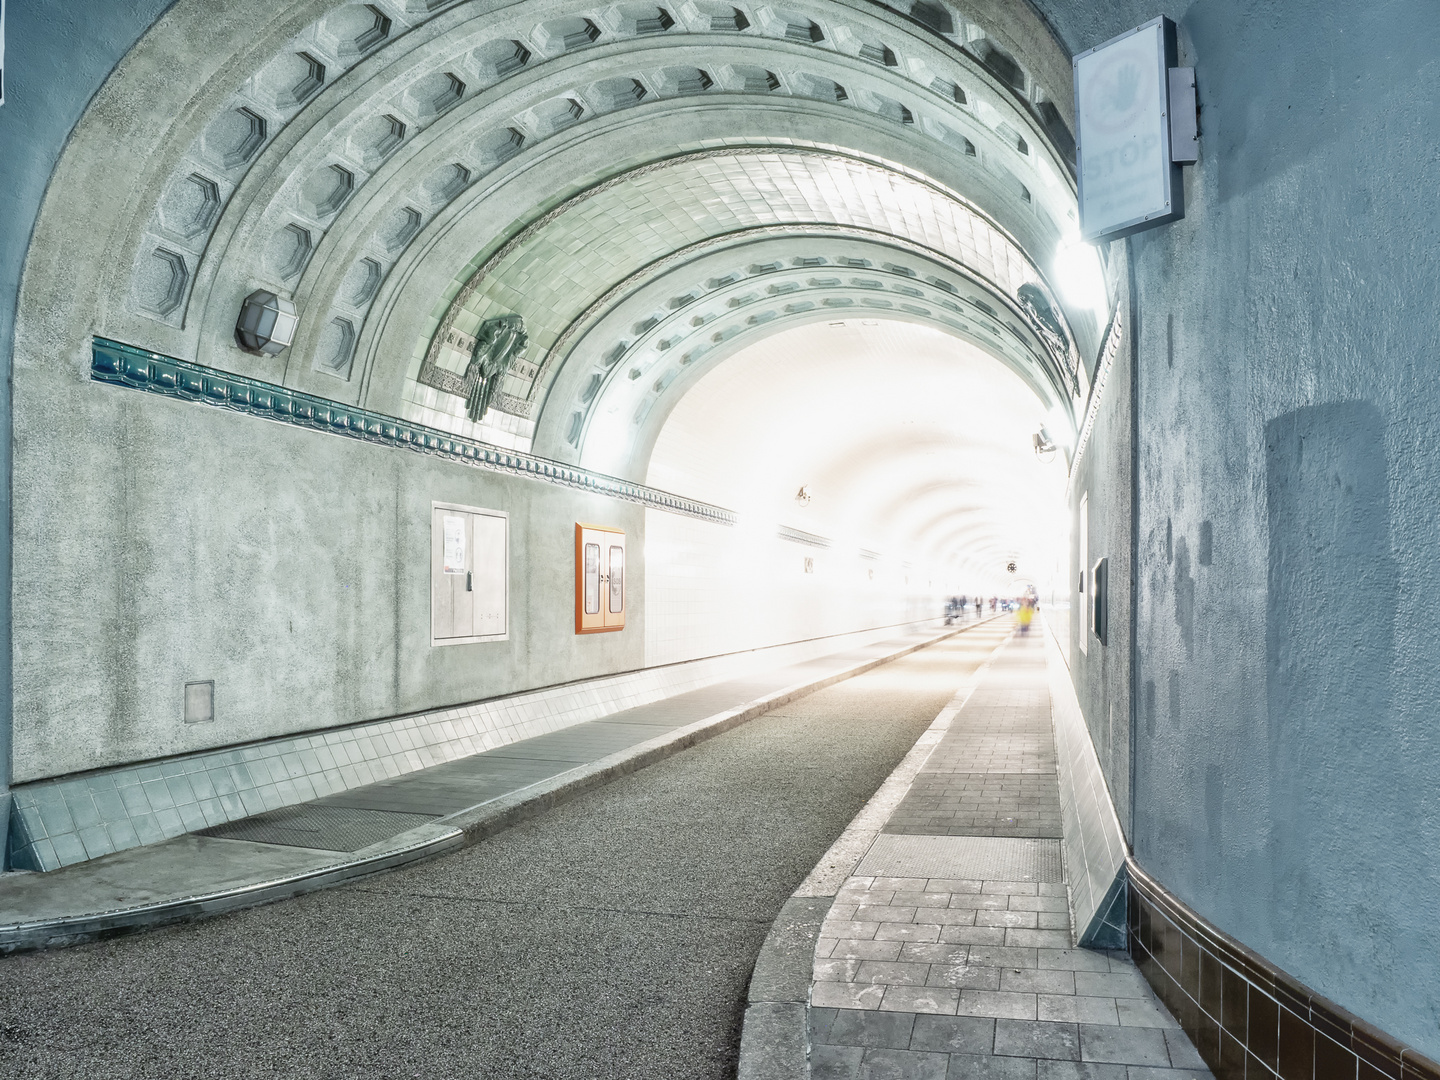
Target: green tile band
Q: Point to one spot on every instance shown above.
(118, 364)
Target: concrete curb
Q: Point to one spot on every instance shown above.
(774, 1042)
(428, 841)
(774, 1034)
(77, 929)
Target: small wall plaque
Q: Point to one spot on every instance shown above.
(200, 702)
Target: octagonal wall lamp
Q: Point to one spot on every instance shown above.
(267, 323)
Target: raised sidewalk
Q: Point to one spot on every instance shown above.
(936, 940)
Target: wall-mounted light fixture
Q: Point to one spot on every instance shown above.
(1044, 445)
(267, 324)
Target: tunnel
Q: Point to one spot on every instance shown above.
(633, 540)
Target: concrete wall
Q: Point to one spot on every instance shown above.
(181, 542)
(1286, 746)
(57, 56)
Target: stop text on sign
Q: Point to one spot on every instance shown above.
(1128, 180)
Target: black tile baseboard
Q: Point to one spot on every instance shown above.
(1248, 1019)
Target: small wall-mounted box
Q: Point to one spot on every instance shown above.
(1100, 601)
(200, 702)
(1184, 117)
(599, 579)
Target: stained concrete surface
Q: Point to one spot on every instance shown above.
(1296, 298)
(612, 937)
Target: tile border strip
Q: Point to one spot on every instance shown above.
(1095, 844)
(1217, 988)
(118, 364)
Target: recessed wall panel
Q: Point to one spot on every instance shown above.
(469, 574)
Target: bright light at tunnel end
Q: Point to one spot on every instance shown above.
(607, 444)
(1079, 276)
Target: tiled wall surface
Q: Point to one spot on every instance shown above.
(1248, 1019)
(69, 820)
(1095, 847)
(446, 412)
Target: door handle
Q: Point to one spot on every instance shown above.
(469, 581)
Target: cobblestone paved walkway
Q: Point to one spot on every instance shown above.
(945, 978)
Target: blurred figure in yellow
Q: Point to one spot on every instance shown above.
(1026, 613)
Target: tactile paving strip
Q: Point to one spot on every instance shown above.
(329, 828)
(972, 858)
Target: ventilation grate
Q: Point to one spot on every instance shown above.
(314, 825)
(971, 858)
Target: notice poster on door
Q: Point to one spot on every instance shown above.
(454, 542)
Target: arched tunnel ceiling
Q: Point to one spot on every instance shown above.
(908, 442)
(660, 220)
(653, 188)
(327, 157)
(631, 364)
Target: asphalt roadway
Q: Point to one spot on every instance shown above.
(612, 937)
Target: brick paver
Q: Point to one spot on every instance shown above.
(919, 978)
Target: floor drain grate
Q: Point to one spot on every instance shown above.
(329, 828)
(971, 858)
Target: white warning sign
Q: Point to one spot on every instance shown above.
(1127, 180)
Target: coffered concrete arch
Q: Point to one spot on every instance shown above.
(303, 118)
(660, 213)
(313, 160)
(752, 118)
(627, 367)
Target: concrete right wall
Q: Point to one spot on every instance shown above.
(1288, 408)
